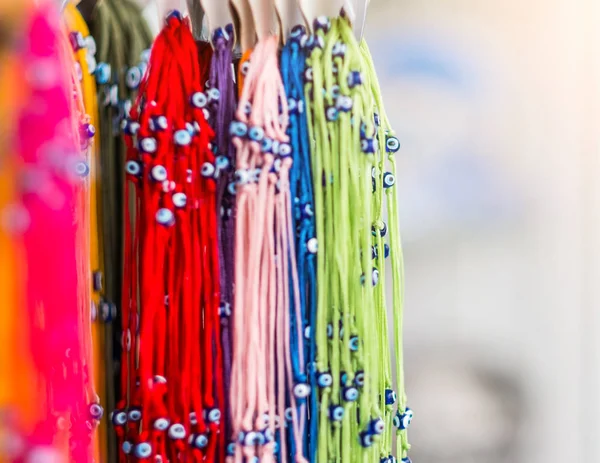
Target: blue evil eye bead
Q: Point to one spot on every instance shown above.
(312, 245)
(308, 74)
(158, 173)
(307, 211)
(381, 227)
(335, 92)
(176, 432)
(134, 414)
(268, 435)
(307, 331)
(330, 331)
(366, 439)
(199, 100)
(230, 450)
(301, 391)
(338, 50)
(238, 129)
(331, 113)
(406, 418)
(145, 55)
(285, 149)
(142, 450)
(126, 447)
(222, 162)
(245, 68)
(131, 128)
(200, 441)
(182, 137)
(374, 276)
(88, 130)
(315, 41)
(214, 415)
(297, 32)
(96, 411)
(376, 426)
(292, 106)
(118, 418)
(359, 379)
(324, 380)
(165, 217)
(259, 438)
(390, 397)
(174, 14)
(161, 424)
(376, 119)
(336, 413)
(256, 134)
(213, 94)
(344, 103)
(374, 253)
(368, 145)
(133, 168)
(392, 144)
(82, 169)
(77, 41)
(354, 343)
(355, 79)
(322, 23)
(242, 176)
(225, 309)
(133, 77)
(386, 250)
(103, 73)
(108, 311)
(158, 123)
(250, 439)
(148, 145)
(350, 394)
(232, 188)
(90, 45)
(179, 200)
(389, 180)
(208, 170)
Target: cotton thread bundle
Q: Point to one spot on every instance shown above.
(172, 249)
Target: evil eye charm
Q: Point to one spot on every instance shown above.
(322, 23)
(82, 169)
(90, 45)
(368, 145)
(158, 173)
(245, 68)
(381, 227)
(376, 119)
(96, 411)
(350, 394)
(222, 162)
(285, 149)
(148, 145)
(392, 144)
(268, 435)
(267, 145)
(127, 447)
(208, 170)
(176, 432)
(332, 114)
(214, 415)
(256, 134)
(259, 438)
(119, 418)
(88, 130)
(158, 123)
(307, 332)
(389, 180)
(182, 137)
(238, 129)
(312, 245)
(142, 450)
(406, 460)
(199, 100)
(134, 415)
(338, 50)
(103, 73)
(213, 94)
(386, 250)
(336, 413)
(161, 424)
(165, 217)
(77, 41)
(354, 343)
(377, 426)
(242, 176)
(330, 331)
(292, 106)
(131, 128)
(315, 41)
(297, 32)
(249, 439)
(359, 379)
(344, 103)
(301, 391)
(406, 418)
(308, 74)
(230, 450)
(200, 441)
(355, 79)
(179, 200)
(366, 439)
(374, 276)
(390, 397)
(232, 188)
(133, 77)
(324, 380)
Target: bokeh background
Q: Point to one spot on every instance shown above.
(497, 108)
